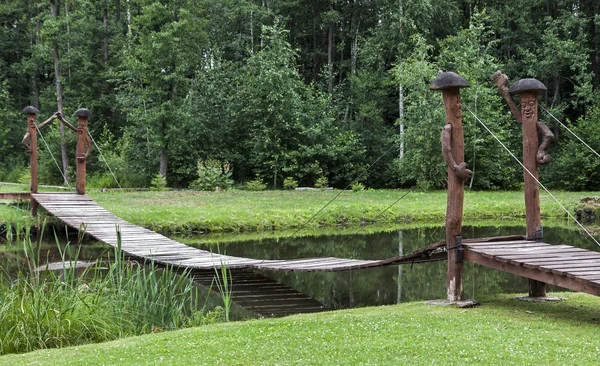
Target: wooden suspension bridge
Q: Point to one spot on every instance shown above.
(528, 256)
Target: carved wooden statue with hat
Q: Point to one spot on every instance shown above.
(533, 154)
(453, 149)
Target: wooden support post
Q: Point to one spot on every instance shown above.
(84, 147)
(532, 155)
(529, 112)
(32, 149)
(453, 150)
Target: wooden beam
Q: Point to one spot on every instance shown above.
(534, 274)
(15, 196)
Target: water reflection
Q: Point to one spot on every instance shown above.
(388, 285)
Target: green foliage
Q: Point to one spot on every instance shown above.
(158, 183)
(213, 174)
(357, 187)
(290, 183)
(255, 185)
(47, 310)
(322, 182)
(274, 89)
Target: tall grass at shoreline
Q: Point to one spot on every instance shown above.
(50, 309)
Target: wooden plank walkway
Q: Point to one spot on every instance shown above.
(81, 211)
(561, 265)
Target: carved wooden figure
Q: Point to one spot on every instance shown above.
(84, 145)
(449, 83)
(31, 148)
(533, 154)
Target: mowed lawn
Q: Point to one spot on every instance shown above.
(502, 331)
(181, 211)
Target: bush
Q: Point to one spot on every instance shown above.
(158, 183)
(290, 183)
(322, 182)
(211, 174)
(358, 186)
(256, 185)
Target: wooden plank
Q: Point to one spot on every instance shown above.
(558, 280)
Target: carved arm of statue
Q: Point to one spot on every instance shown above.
(88, 149)
(64, 121)
(501, 81)
(460, 170)
(547, 138)
(27, 135)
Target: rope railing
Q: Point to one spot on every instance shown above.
(572, 133)
(105, 161)
(63, 174)
(533, 176)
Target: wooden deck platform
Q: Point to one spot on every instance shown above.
(561, 265)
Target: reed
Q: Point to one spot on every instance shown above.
(122, 298)
(224, 280)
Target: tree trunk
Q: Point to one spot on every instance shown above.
(401, 119)
(118, 9)
(354, 45)
(36, 73)
(63, 143)
(330, 54)
(105, 38)
(315, 71)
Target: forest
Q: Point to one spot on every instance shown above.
(306, 91)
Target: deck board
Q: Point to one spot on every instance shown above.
(562, 265)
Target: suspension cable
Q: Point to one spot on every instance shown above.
(53, 158)
(568, 129)
(533, 176)
(382, 212)
(105, 161)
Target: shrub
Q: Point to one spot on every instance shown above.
(322, 182)
(358, 186)
(158, 183)
(256, 185)
(211, 174)
(290, 183)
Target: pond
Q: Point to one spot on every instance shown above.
(388, 285)
(348, 289)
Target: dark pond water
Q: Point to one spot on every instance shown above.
(390, 285)
(338, 290)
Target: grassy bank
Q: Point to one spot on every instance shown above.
(186, 211)
(500, 332)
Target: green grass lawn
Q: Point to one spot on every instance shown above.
(188, 211)
(243, 211)
(502, 331)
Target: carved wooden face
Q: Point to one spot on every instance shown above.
(528, 105)
(31, 121)
(81, 125)
(456, 107)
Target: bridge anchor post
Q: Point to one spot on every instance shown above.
(527, 116)
(453, 149)
(32, 149)
(84, 146)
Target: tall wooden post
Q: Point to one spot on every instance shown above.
(83, 147)
(528, 90)
(32, 113)
(453, 150)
